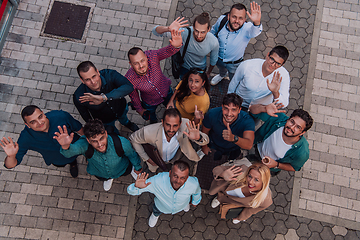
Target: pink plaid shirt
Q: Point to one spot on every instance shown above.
(153, 86)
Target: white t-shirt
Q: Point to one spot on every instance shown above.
(274, 146)
(236, 193)
(169, 149)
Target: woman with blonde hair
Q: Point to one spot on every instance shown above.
(241, 191)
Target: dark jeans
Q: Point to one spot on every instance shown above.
(233, 153)
(127, 172)
(156, 211)
(152, 108)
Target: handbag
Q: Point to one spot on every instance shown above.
(233, 212)
(177, 60)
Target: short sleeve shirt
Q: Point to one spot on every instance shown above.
(43, 142)
(214, 121)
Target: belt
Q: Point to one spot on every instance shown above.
(234, 62)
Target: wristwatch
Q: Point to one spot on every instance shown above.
(104, 97)
(236, 138)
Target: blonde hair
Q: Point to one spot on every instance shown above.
(265, 178)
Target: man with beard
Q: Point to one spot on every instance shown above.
(201, 42)
(280, 139)
(173, 191)
(109, 155)
(234, 35)
(260, 81)
(229, 129)
(171, 138)
(147, 78)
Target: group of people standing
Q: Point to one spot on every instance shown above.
(258, 90)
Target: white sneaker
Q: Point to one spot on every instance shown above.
(215, 80)
(153, 220)
(108, 184)
(187, 208)
(200, 153)
(235, 221)
(215, 203)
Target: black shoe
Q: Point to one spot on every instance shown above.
(74, 171)
(132, 126)
(273, 174)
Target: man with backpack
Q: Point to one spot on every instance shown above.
(234, 34)
(198, 43)
(109, 155)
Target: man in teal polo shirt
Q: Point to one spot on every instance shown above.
(280, 138)
(104, 162)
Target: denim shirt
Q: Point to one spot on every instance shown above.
(167, 200)
(298, 153)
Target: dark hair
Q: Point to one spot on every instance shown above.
(304, 115)
(202, 19)
(133, 51)
(28, 110)
(184, 90)
(93, 127)
(238, 6)
(181, 165)
(84, 67)
(173, 112)
(281, 51)
(232, 98)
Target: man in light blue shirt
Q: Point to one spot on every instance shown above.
(201, 42)
(173, 191)
(234, 36)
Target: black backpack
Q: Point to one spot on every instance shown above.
(117, 144)
(222, 23)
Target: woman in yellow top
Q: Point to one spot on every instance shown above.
(192, 99)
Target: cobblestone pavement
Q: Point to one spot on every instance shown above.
(290, 23)
(40, 202)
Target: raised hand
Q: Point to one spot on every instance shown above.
(63, 138)
(176, 39)
(141, 180)
(255, 15)
(91, 98)
(227, 134)
(273, 108)
(230, 174)
(178, 23)
(10, 147)
(194, 132)
(170, 105)
(275, 84)
(198, 114)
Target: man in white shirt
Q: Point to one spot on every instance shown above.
(171, 138)
(257, 82)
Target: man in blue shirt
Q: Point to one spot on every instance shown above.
(102, 95)
(234, 36)
(228, 128)
(38, 136)
(173, 191)
(107, 160)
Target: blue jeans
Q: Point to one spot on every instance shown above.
(224, 67)
(156, 211)
(152, 108)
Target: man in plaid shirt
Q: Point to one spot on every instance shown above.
(146, 76)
